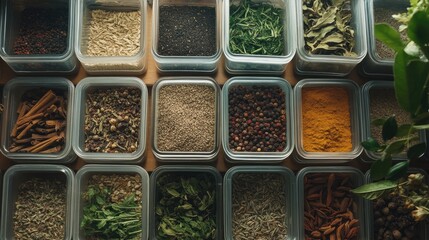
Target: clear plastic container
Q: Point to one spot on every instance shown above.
(185, 156)
(332, 65)
(82, 89)
(257, 157)
(289, 188)
(64, 63)
(188, 170)
(124, 65)
(357, 179)
(18, 174)
(261, 64)
(373, 64)
(81, 185)
(201, 64)
(13, 91)
(422, 229)
(353, 91)
(366, 118)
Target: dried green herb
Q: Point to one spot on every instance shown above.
(186, 207)
(256, 28)
(327, 27)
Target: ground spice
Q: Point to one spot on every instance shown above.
(186, 118)
(42, 31)
(257, 119)
(40, 209)
(187, 31)
(259, 206)
(326, 120)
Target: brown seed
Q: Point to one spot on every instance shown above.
(329, 231)
(316, 234)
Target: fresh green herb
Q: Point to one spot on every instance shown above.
(256, 29)
(327, 27)
(106, 220)
(186, 207)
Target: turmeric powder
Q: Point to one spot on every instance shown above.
(326, 120)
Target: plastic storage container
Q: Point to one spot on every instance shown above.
(353, 91)
(201, 64)
(261, 64)
(289, 189)
(13, 91)
(262, 156)
(189, 170)
(98, 63)
(82, 89)
(12, 15)
(357, 179)
(81, 185)
(185, 156)
(332, 65)
(366, 117)
(422, 230)
(18, 174)
(374, 64)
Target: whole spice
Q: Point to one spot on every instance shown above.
(326, 123)
(257, 119)
(112, 207)
(259, 206)
(256, 28)
(187, 31)
(186, 116)
(41, 122)
(112, 120)
(185, 206)
(329, 207)
(42, 31)
(40, 209)
(327, 27)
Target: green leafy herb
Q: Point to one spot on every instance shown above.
(375, 190)
(256, 28)
(397, 171)
(185, 207)
(327, 28)
(389, 128)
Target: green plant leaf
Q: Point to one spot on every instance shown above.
(416, 151)
(422, 118)
(396, 147)
(374, 190)
(389, 36)
(371, 144)
(417, 75)
(378, 122)
(418, 30)
(398, 170)
(421, 127)
(404, 130)
(380, 168)
(389, 128)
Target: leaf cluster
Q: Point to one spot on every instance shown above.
(256, 29)
(186, 207)
(106, 220)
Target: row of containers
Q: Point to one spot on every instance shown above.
(109, 37)
(196, 202)
(253, 119)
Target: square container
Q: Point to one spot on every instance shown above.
(187, 171)
(191, 155)
(201, 64)
(255, 156)
(289, 188)
(356, 178)
(18, 174)
(422, 229)
(332, 65)
(12, 15)
(13, 91)
(366, 117)
(374, 64)
(94, 63)
(82, 90)
(81, 186)
(353, 92)
(261, 64)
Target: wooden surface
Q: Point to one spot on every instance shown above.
(150, 78)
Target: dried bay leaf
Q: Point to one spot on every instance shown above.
(327, 18)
